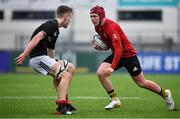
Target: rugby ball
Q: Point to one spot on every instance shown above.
(100, 44)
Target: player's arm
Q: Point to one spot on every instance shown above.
(51, 52)
(35, 40)
(116, 41)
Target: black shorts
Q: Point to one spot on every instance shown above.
(131, 64)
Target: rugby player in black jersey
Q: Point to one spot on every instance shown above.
(41, 50)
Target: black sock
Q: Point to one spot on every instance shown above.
(112, 94)
(162, 93)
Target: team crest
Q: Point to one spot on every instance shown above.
(49, 39)
(55, 33)
(114, 36)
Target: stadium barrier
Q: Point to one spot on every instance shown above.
(160, 62)
(4, 61)
(151, 62)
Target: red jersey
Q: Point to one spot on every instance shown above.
(114, 37)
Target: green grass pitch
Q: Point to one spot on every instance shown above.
(33, 96)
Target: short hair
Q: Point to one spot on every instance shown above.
(61, 10)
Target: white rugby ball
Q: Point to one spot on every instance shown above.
(97, 40)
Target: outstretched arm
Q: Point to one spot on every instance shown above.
(19, 60)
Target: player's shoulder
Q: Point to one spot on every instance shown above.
(110, 23)
(51, 22)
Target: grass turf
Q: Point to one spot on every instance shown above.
(33, 96)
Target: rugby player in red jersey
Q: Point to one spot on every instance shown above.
(41, 50)
(123, 55)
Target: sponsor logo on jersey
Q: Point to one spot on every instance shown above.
(114, 36)
(135, 69)
(49, 39)
(55, 33)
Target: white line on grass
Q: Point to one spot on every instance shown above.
(76, 97)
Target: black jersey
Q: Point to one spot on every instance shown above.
(51, 30)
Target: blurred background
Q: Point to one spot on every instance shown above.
(153, 27)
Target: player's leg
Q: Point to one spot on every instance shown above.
(47, 65)
(152, 86)
(56, 83)
(137, 75)
(106, 83)
(64, 78)
(57, 70)
(70, 69)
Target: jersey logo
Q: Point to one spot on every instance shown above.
(114, 36)
(49, 39)
(135, 69)
(55, 33)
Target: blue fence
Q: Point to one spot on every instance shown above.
(154, 62)
(4, 61)
(151, 62)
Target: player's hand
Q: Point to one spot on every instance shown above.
(56, 83)
(96, 46)
(108, 71)
(19, 60)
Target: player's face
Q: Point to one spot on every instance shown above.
(67, 19)
(95, 19)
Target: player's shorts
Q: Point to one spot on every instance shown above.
(42, 64)
(131, 64)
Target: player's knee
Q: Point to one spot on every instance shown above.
(62, 67)
(66, 75)
(71, 67)
(142, 84)
(59, 72)
(99, 73)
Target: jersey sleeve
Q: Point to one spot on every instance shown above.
(117, 45)
(48, 28)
